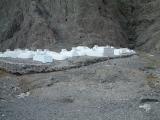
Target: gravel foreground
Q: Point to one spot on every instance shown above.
(117, 89)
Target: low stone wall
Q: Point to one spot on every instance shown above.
(27, 66)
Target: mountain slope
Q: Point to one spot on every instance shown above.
(52, 23)
(56, 24)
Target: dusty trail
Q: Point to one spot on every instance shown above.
(114, 89)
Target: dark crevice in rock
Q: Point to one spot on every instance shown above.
(147, 100)
(127, 9)
(41, 10)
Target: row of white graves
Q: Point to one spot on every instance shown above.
(46, 56)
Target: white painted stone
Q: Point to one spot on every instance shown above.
(43, 58)
(108, 52)
(46, 56)
(146, 107)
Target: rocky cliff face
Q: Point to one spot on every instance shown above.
(55, 24)
(59, 23)
(148, 25)
(143, 23)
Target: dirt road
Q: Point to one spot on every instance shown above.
(120, 89)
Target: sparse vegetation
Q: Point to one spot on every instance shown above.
(2, 72)
(152, 62)
(151, 65)
(153, 81)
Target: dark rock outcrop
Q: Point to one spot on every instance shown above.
(148, 25)
(28, 28)
(143, 23)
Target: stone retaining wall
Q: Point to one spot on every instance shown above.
(21, 66)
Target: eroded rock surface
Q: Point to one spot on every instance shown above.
(56, 24)
(142, 26)
(60, 23)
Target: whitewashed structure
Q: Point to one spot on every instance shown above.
(46, 56)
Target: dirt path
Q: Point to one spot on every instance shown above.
(120, 89)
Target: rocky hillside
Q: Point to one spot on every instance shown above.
(143, 23)
(148, 25)
(56, 24)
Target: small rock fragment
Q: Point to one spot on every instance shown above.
(23, 95)
(146, 107)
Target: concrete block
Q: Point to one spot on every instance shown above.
(43, 58)
(108, 52)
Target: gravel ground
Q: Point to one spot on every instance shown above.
(118, 89)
